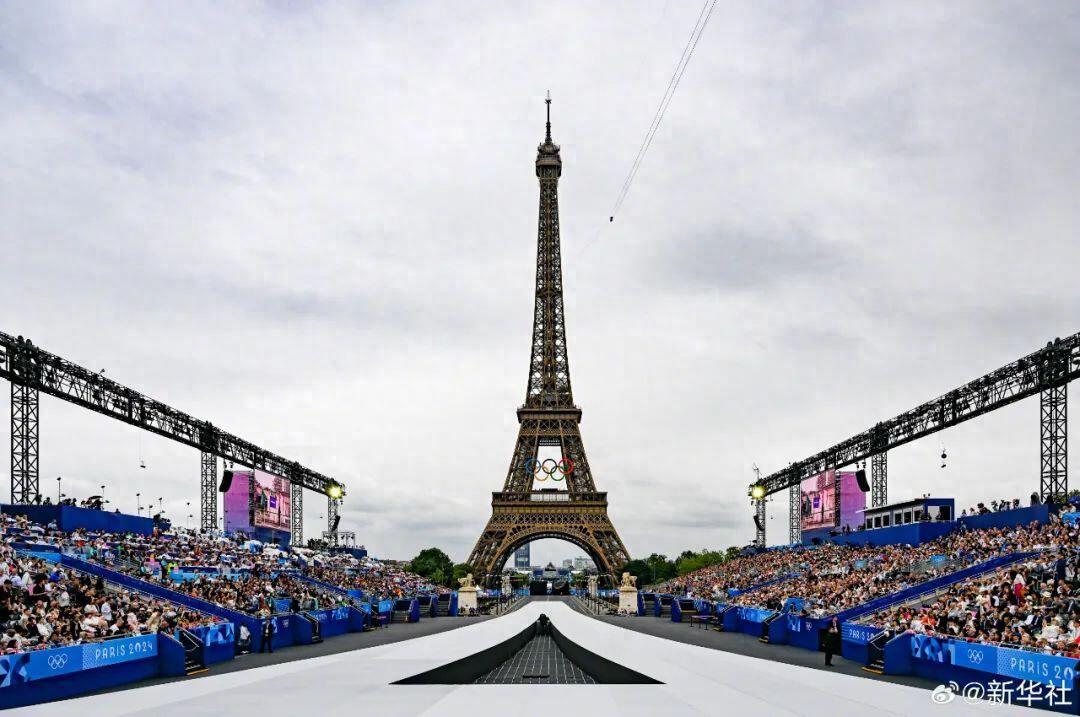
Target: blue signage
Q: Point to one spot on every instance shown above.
(1018, 664)
(386, 605)
(861, 634)
(754, 614)
(42, 664)
(932, 649)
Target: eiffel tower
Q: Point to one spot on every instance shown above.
(575, 512)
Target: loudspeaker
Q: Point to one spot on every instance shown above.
(860, 476)
(337, 521)
(226, 481)
(757, 522)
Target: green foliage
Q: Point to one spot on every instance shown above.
(657, 568)
(433, 564)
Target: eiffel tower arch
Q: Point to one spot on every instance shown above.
(574, 510)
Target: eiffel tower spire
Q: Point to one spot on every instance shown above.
(549, 368)
(566, 504)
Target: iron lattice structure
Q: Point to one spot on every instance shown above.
(24, 443)
(1048, 370)
(297, 498)
(795, 514)
(548, 419)
(1053, 441)
(879, 479)
(33, 371)
(208, 515)
(759, 523)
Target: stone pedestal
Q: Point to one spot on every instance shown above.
(592, 586)
(507, 589)
(466, 600)
(628, 599)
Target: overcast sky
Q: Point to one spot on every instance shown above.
(315, 225)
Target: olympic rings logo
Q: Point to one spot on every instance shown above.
(549, 468)
(975, 656)
(57, 661)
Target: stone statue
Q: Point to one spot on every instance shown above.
(628, 581)
(507, 589)
(467, 582)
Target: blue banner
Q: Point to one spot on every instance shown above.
(860, 634)
(1018, 664)
(754, 614)
(42, 664)
(386, 605)
(220, 634)
(932, 649)
(1070, 518)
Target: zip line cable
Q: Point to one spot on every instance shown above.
(661, 109)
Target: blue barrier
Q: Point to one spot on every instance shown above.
(219, 642)
(410, 606)
(332, 622)
(1009, 518)
(70, 517)
(855, 641)
(996, 674)
(751, 619)
(31, 677)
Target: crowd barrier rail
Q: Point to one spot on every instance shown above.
(28, 678)
(969, 670)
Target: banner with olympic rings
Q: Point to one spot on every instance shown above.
(556, 470)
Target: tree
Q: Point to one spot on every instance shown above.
(433, 564)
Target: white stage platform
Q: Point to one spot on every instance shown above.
(697, 681)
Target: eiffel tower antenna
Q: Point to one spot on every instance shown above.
(566, 504)
(548, 103)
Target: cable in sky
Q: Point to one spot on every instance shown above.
(665, 101)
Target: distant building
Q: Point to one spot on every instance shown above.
(583, 563)
(521, 557)
(568, 563)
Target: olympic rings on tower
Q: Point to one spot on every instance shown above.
(549, 468)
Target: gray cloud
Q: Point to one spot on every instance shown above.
(315, 226)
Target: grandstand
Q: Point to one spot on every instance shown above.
(117, 608)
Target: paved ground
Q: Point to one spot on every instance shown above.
(743, 644)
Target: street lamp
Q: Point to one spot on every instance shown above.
(58, 496)
(138, 504)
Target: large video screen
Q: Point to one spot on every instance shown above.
(271, 502)
(819, 501)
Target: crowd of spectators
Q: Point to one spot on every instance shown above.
(380, 580)
(43, 605)
(1032, 605)
(838, 577)
(238, 574)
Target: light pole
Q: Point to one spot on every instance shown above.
(138, 504)
(58, 479)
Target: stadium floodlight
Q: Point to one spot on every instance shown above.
(757, 491)
(334, 491)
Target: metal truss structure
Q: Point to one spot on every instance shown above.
(795, 515)
(1045, 372)
(208, 515)
(297, 507)
(548, 419)
(879, 479)
(24, 443)
(759, 522)
(33, 371)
